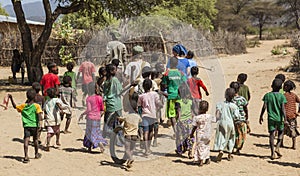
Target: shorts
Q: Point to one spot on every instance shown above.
(275, 125)
(17, 67)
(30, 131)
(148, 123)
(172, 106)
(53, 129)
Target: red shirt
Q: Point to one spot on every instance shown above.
(195, 84)
(290, 106)
(87, 69)
(49, 80)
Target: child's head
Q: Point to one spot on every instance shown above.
(281, 77)
(51, 92)
(235, 86)
(70, 66)
(203, 107)
(147, 85)
(30, 94)
(184, 91)
(229, 94)
(190, 55)
(288, 86)
(276, 84)
(173, 62)
(67, 81)
(52, 67)
(102, 71)
(111, 69)
(159, 67)
(242, 77)
(36, 86)
(116, 62)
(88, 56)
(91, 89)
(194, 71)
(146, 72)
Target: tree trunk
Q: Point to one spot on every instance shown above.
(260, 31)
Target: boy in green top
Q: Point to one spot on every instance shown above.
(274, 103)
(31, 116)
(72, 74)
(112, 97)
(171, 81)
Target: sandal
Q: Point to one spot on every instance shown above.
(38, 156)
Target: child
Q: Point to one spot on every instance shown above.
(39, 99)
(67, 97)
(240, 124)
(149, 102)
(171, 81)
(291, 112)
(50, 80)
(274, 103)
(225, 134)
(202, 125)
(72, 74)
(195, 84)
(184, 122)
(131, 126)
(31, 115)
(94, 110)
(101, 80)
(192, 62)
(244, 89)
(53, 108)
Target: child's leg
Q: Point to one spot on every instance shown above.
(150, 135)
(155, 134)
(68, 122)
(127, 145)
(271, 142)
(26, 143)
(146, 140)
(57, 138)
(279, 142)
(294, 143)
(36, 145)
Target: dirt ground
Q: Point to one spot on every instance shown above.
(72, 159)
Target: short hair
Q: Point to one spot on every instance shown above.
(51, 65)
(203, 106)
(277, 84)
(30, 94)
(67, 80)
(290, 85)
(190, 53)
(36, 86)
(229, 94)
(51, 92)
(242, 77)
(116, 62)
(146, 71)
(110, 67)
(101, 70)
(70, 65)
(173, 62)
(158, 68)
(147, 84)
(281, 77)
(194, 71)
(235, 86)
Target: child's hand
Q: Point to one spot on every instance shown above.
(191, 136)
(9, 95)
(261, 120)
(207, 94)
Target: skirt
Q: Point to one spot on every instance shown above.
(291, 129)
(93, 135)
(183, 142)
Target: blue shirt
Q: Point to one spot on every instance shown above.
(183, 64)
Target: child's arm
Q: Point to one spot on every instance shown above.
(12, 101)
(201, 84)
(263, 109)
(249, 95)
(284, 113)
(246, 111)
(193, 131)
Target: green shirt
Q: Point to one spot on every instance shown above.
(73, 76)
(112, 89)
(244, 91)
(185, 109)
(30, 114)
(274, 101)
(173, 78)
(241, 102)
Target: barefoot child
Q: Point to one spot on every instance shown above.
(202, 125)
(72, 74)
(225, 134)
(291, 111)
(39, 99)
(31, 115)
(53, 109)
(94, 110)
(244, 89)
(274, 103)
(240, 123)
(66, 93)
(150, 103)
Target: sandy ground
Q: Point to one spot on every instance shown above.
(72, 159)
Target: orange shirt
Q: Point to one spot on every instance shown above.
(290, 106)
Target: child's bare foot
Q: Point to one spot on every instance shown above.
(155, 143)
(38, 155)
(278, 153)
(66, 132)
(237, 152)
(190, 155)
(90, 149)
(47, 148)
(57, 143)
(207, 161)
(129, 163)
(201, 163)
(273, 156)
(230, 157)
(219, 157)
(26, 160)
(101, 147)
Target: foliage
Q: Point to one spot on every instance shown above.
(3, 11)
(279, 50)
(291, 11)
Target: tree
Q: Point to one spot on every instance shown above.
(263, 13)
(292, 10)
(3, 11)
(32, 52)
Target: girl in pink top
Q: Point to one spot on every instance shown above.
(95, 107)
